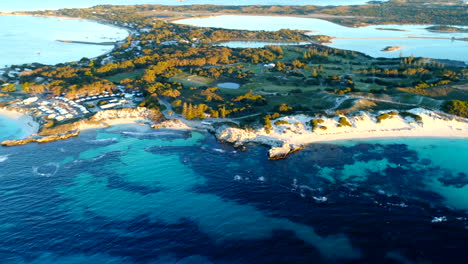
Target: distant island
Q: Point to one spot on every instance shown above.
(392, 48)
(448, 29)
(391, 29)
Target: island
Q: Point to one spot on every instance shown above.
(171, 76)
(392, 48)
(447, 29)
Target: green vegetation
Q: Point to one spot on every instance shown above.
(447, 29)
(391, 12)
(180, 65)
(8, 88)
(456, 107)
(343, 122)
(415, 117)
(281, 122)
(125, 75)
(384, 116)
(315, 123)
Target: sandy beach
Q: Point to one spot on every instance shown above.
(285, 138)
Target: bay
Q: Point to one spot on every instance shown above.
(27, 39)
(371, 40)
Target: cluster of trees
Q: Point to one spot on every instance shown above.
(384, 116)
(251, 98)
(189, 52)
(225, 72)
(8, 88)
(343, 84)
(267, 122)
(456, 107)
(190, 111)
(343, 122)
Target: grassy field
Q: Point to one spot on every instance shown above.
(126, 75)
(189, 80)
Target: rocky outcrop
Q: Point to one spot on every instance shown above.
(100, 119)
(282, 152)
(171, 124)
(238, 137)
(234, 135)
(296, 131)
(10, 143)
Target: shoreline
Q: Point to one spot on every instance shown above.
(296, 131)
(283, 140)
(29, 126)
(115, 44)
(324, 17)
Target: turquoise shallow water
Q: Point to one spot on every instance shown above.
(11, 128)
(135, 195)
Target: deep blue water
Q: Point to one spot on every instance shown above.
(131, 195)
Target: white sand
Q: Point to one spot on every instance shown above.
(111, 122)
(28, 125)
(299, 133)
(117, 117)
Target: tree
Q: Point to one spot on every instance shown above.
(314, 73)
(268, 127)
(284, 108)
(184, 110)
(456, 107)
(222, 111)
(9, 88)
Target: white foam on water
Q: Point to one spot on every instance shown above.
(219, 150)
(439, 219)
(36, 170)
(3, 158)
(103, 141)
(320, 199)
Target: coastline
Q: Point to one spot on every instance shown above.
(129, 30)
(115, 44)
(286, 138)
(324, 17)
(29, 126)
(293, 134)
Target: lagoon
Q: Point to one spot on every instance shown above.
(229, 85)
(28, 39)
(414, 39)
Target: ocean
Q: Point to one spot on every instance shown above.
(129, 194)
(12, 128)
